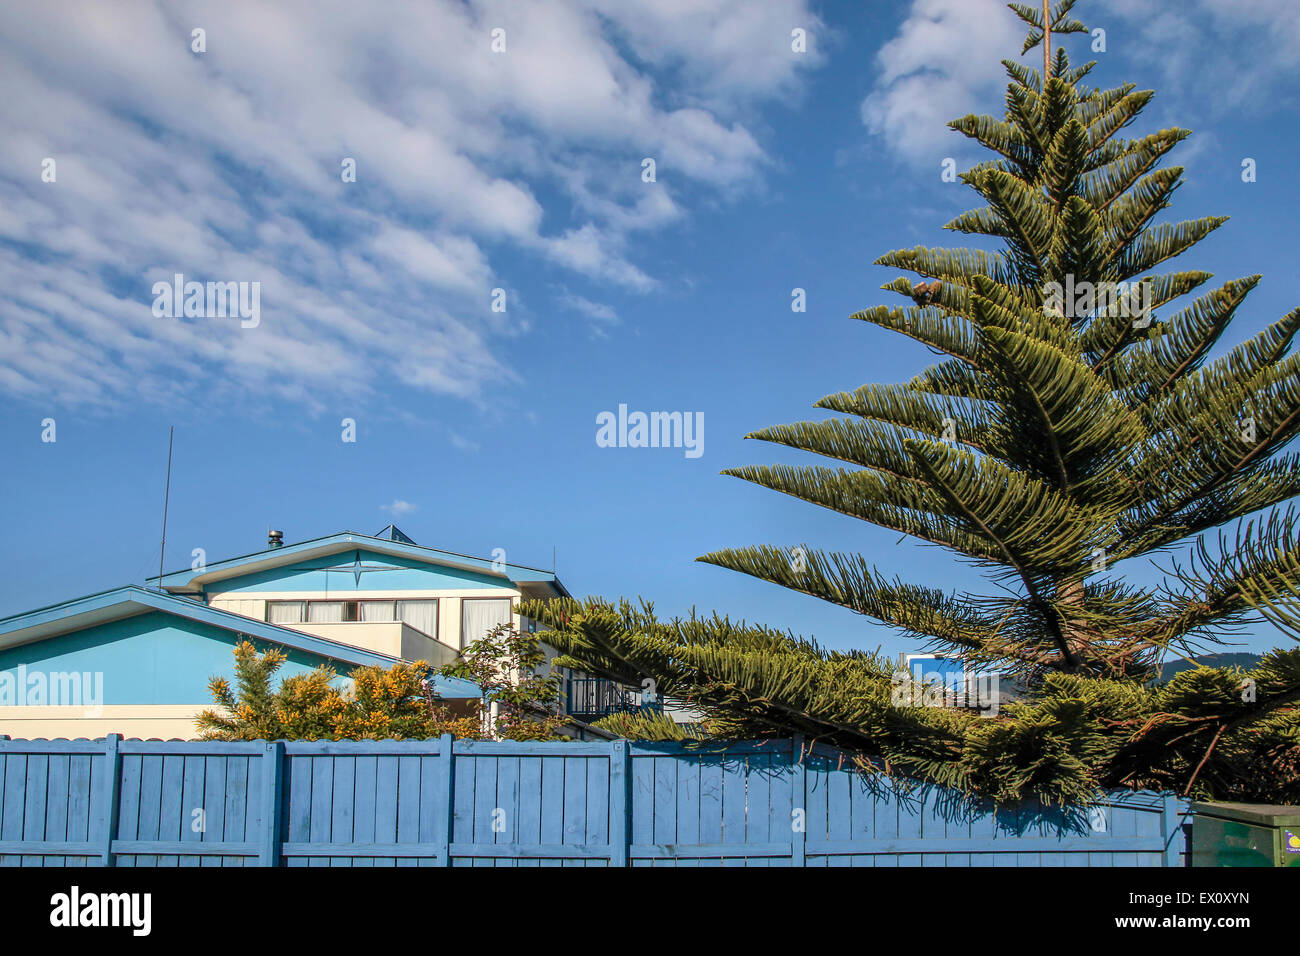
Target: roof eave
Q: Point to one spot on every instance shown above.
(192, 581)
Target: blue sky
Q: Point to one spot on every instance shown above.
(520, 171)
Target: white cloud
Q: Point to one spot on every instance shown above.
(453, 262)
(945, 62)
(399, 508)
(461, 442)
(726, 51)
(1227, 55)
(225, 166)
(593, 310)
(601, 315)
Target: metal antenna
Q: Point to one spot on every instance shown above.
(167, 493)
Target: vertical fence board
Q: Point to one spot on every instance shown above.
(56, 804)
(130, 791)
(265, 825)
(575, 800)
(597, 830)
(79, 796)
(552, 805)
(386, 796)
(620, 802)
(234, 807)
(213, 817)
(797, 822)
(476, 791)
(757, 803)
(15, 791)
(530, 801)
(408, 804)
(734, 797)
(171, 814)
(322, 805)
(342, 801)
(192, 799)
(108, 794)
(34, 803)
(298, 771)
(363, 816)
(710, 816)
(438, 794)
(507, 798)
(643, 802)
(144, 803)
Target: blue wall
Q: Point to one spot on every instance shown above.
(381, 572)
(153, 658)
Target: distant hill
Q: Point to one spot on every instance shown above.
(1243, 660)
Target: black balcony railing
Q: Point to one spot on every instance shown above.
(593, 697)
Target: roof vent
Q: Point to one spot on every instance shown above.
(275, 539)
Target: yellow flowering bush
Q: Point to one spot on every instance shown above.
(397, 703)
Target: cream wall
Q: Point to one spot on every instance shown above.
(163, 721)
(448, 608)
(393, 638)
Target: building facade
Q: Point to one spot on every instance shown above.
(137, 660)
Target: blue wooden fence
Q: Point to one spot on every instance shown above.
(121, 802)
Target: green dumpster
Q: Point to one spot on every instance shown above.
(1245, 834)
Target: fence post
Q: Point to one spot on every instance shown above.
(1171, 825)
(799, 799)
(109, 797)
(272, 785)
(445, 821)
(620, 807)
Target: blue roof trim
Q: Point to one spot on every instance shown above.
(452, 687)
(515, 573)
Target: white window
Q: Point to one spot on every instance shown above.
(326, 612)
(421, 615)
(478, 616)
(377, 611)
(285, 612)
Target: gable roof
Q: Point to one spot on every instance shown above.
(95, 609)
(535, 582)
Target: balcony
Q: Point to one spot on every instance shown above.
(394, 638)
(590, 698)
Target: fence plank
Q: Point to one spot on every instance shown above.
(148, 811)
(446, 806)
(235, 804)
(271, 776)
(799, 803)
(1171, 823)
(110, 791)
(620, 802)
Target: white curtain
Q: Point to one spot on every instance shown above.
(325, 612)
(421, 615)
(284, 612)
(479, 616)
(377, 611)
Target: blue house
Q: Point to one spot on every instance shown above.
(136, 660)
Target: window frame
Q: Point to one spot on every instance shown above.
(351, 611)
(465, 600)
